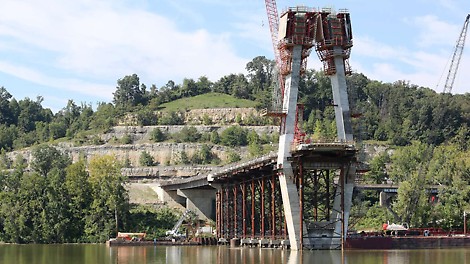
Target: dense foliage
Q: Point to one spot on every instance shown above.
(59, 201)
(416, 168)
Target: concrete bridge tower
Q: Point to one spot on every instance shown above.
(300, 29)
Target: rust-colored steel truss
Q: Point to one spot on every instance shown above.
(250, 209)
(249, 201)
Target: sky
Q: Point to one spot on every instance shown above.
(78, 49)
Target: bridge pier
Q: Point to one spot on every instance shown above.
(384, 198)
(170, 197)
(200, 201)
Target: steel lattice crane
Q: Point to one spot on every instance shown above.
(273, 18)
(454, 64)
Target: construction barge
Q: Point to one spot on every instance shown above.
(379, 242)
(156, 242)
(412, 238)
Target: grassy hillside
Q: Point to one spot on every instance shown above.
(209, 100)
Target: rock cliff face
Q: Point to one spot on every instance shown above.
(141, 134)
(219, 115)
(166, 155)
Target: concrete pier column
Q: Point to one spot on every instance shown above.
(200, 201)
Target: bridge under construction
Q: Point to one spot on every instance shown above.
(300, 197)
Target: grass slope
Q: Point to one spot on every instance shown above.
(209, 100)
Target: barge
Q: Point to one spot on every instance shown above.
(417, 238)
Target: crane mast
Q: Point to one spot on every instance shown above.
(273, 18)
(454, 64)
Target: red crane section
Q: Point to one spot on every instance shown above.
(273, 18)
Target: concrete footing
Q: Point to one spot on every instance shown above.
(235, 242)
(266, 243)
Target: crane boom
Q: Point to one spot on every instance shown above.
(273, 18)
(454, 64)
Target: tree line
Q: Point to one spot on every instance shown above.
(57, 201)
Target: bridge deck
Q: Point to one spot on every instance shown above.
(321, 155)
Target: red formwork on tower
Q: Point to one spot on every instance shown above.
(293, 28)
(323, 29)
(334, 31)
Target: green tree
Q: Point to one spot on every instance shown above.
(203, 156)
(146, 159)
(378, 171)
(146, 117)
(187, 134)
(407, 160)
(11, 207)
(206, 119)
(409, 169)
(233, 156)
(6, 114)
(126, 139)
(449, 168)
(255, 149)
(128, 92)
(253, 137)
(260, 72)
(104, 117)
(110, 199)
(214, 137)
(32, 112)
(234, 136)
(46, 157)
(171, 118)
(157, 135)
(8, 134)
(79, 188)
(184, 159)
(204, 85)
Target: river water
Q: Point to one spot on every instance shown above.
(101, 254)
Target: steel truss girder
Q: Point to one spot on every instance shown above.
(249, 209)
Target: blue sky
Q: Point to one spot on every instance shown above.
(78, 49)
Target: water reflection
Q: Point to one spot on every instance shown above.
(223, 254)
(91, 254)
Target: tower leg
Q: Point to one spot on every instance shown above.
(340, 98)
(290, 196)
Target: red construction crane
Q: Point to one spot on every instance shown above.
(273, 17)
(454, 64)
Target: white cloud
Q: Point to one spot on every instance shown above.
(106, 40)
(255, 29)
(433, 31)
(71, 84)
(367, 46)
(388, 63)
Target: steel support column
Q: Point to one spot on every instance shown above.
(253, 233)
(244, 208)
(262, 193)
